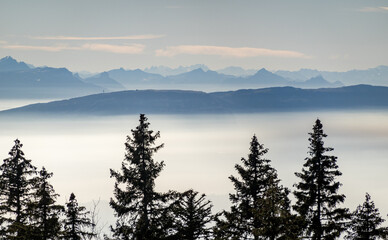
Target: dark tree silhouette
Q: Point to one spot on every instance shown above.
(260, 207)
(140, 210)
(274, 210)
(77, 224)
(44, 213)
(317, 192)
(16, 182)
(192, 214)
(366, 222)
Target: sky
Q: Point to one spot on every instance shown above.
(99, 35)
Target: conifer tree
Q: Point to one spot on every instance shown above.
(260, 207)
(366, 222)
(77, 224)
(139, 208)
(317, 192)
(44, 213)
(16, 182)
(192, 214)
(274, 211)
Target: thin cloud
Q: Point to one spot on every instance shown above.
(174, 7)
(133, 37)
(374, 9)
(121, 49)
(40, 48)
(242, 52)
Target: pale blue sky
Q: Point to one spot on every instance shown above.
(98, 35)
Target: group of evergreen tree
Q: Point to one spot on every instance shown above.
(28, 208)
(260, 206)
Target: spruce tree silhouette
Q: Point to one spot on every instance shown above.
(141, 211)
(16, 183)
(366, 222)
(44, 212)
(77, 224)
(192, 214)
(317, 192)
(260, 207)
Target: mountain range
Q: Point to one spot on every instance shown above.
(241, 101)
(199, 79)
(21, 80)
(373, 76)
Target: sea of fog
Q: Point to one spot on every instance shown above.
(201, 150)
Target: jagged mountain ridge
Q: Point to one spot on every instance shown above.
(10, 64)
(19, 75)
(21, 82)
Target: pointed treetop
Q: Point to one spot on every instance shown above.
(44, 174)
(72, 197)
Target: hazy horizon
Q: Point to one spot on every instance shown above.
(287, 35)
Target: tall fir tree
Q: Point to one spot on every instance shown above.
(16, 181)
(192, 216)
(260, 207)
(77, 224)
(140, 210)
(366, 222)
(317, 192)
(44, 212)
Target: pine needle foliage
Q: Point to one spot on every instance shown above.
(192, 215)
(366, 222)
(141, 211)
(44, 212)
(317, 192)
(77, 224)
(260, 207)
(16, 183)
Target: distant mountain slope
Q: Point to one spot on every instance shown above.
(265, 77)
(373, 76)
(133, 101)
(134, 78)
(237, 71)
(241, 101)
(317, 82)
(198, 76)
(9, 64)
(43, 82)
(167, 71)
(103, 80)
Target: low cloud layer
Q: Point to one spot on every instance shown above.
(242, 52)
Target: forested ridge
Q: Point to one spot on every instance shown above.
(261, 207)
(273, 99)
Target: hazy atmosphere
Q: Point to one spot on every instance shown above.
(82, 83)
(101, 35)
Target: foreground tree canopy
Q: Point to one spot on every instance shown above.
(260, 205)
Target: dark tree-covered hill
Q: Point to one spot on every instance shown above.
(241, 101)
